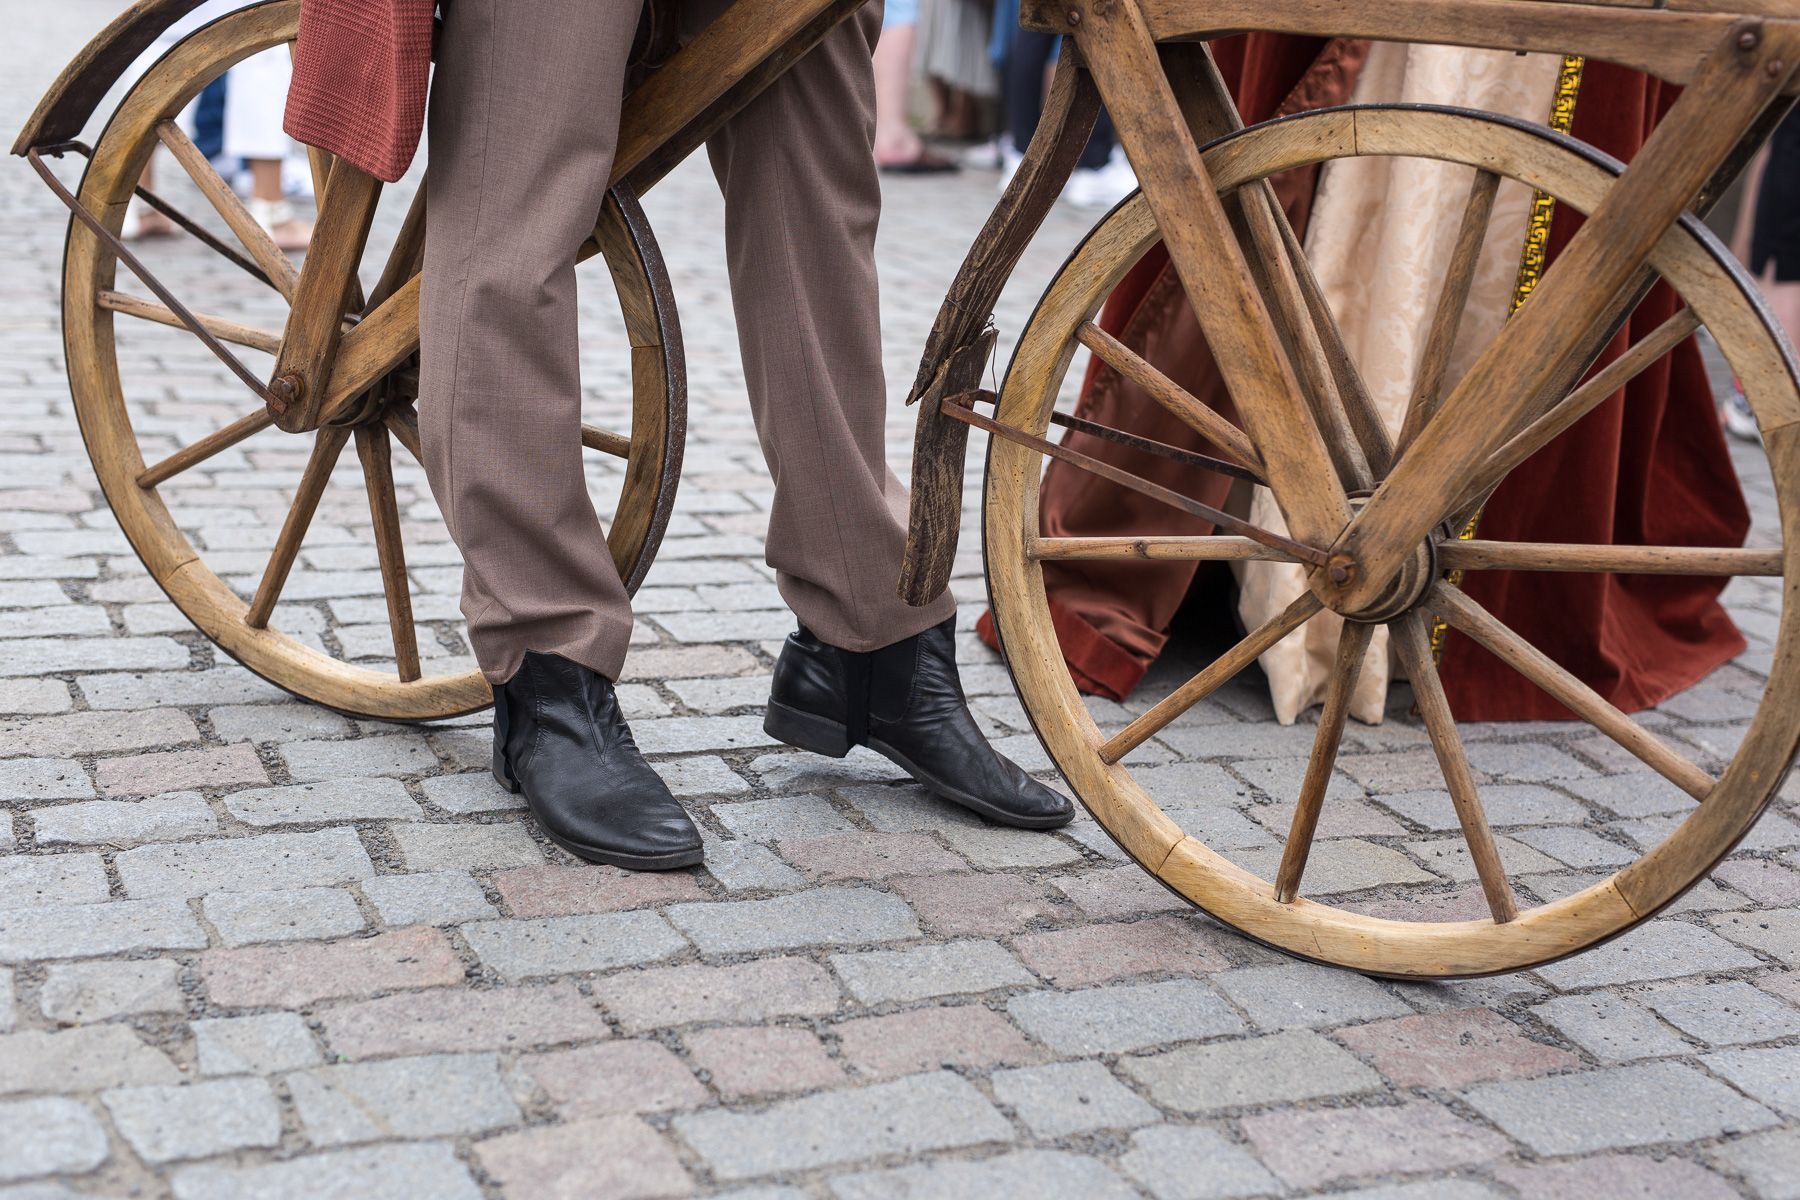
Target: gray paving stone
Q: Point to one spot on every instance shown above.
(257, 1045)
(1770, 1162)
(908, 1116)
(1525, 762)
(1771, 1075)
(465, 847)
(404, 1169)
(1505, 804)
(1725, 1014)
(823, 917)
(294, 914)
(524, 949)
(89, 732)
(1774, 932)
(1060, 1099)
(427, 898)
(1184, 1162)
(1304, 995)
(330, 801)
(82, 993)
(783, 819)
(1340, 865)
(51, 879)
(435, 1095)
(880, 976)
(8, 1003)
(701, 775)
(1610, 1027)
(1632, 795)
(248, 864)
(682, 735)
(80, 1060)
(386, 754)
(43, 779)
(195, 1120)
(1576, 847)
(84, 930)
(50, 1136)
(994, 848)
(276, 722)
(1124, 1017)
(1656, 950)
(1581, 1114)
(741, 866)
(1282, 1068)
(472, 792)
(119, 823)
(1037, 1174)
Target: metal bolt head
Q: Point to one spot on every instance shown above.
(1749, 39)
(1776, 68)
(1074, 16)
(285, 391)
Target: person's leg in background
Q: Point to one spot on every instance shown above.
(255, 94)
(897, 147)
(1101, 178)
(523, 123)
(802, 201)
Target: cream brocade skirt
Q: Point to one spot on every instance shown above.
(1379, 240)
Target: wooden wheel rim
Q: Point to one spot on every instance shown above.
(1689, 258)
(658, 407)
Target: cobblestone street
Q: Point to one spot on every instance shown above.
(250, 948)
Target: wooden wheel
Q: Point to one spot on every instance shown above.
(148, 436)
(1423, 929)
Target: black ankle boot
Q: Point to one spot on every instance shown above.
(559, 738)
(904, 701)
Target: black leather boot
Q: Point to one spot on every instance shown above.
(559, 738)
(905, 702)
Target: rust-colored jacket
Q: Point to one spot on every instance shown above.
(361, 70)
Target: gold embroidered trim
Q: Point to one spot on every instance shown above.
(1531, 261)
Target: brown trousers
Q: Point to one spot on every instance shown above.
(524, 119)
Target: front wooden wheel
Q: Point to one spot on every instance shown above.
(307, 584)
(1412, 920)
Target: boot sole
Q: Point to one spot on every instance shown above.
(805, 731)
(673, 861)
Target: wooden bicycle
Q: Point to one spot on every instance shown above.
(1370, 516)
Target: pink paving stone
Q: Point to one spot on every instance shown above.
(1097, 953)
(295, 975)
(967, 1035)
(1616, 1177)
(618, 1077)
(619, 1158)
(869, 855)
(1450, 1049)
(1115, 892)
(1309, 1149)
(508, 1019)
(181, 770)
(561, 890)
(752, 991)
(763, 1061)
(970, 903)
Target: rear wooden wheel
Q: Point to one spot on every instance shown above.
(258, 536)
(1383, 924)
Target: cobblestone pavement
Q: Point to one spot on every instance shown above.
(249, 948)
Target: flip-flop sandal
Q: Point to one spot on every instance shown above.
(926, 163)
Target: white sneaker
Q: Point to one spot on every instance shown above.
(289, 230)
(1739, 421)
(1101, 187)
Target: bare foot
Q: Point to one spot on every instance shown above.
(289, 230)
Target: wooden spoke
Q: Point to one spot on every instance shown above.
(1353, 646)
(293, 530)
(1169, 548)
(378, 477)
(1275, 275)
(1222, 670)
(226, 331)
(274, 263)
(1171, 395)
(1477, 555)
(408, 254)
(1577, 404)
(1468, 617)
(205, 448)
(606, 441)
(1413, 644)
(1465, 255)
(403, 422)
(1359, 406)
